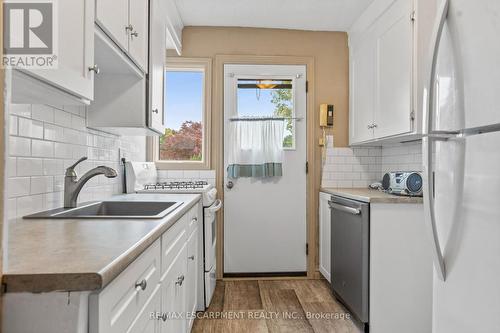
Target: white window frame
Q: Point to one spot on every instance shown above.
(153, 146)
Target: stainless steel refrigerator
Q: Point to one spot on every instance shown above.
(461, 149)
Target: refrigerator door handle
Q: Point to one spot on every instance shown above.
(427, 143)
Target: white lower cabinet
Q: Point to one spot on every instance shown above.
(115, 307)
(158, 291)
(192, 277)
(145, 321)
(173, 290)
(324, 235)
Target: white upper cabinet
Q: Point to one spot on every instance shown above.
(71, 82)
(126, 23)
(138, 36)
(157, 61)
(394, 71)
(383, 45)
(362, 84)
(113, 17)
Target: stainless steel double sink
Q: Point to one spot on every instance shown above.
(111, 210)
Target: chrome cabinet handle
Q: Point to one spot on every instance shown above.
(180, 280)
(141, 285)
(345, 209)
(427, 144)
(195, 219)
(191, 257)
(94, 69)
(230, 185)
(129, 27)
(155, 111)
(374, 126)
(134, 34)
(369, 126)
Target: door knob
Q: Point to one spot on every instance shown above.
(230, 185)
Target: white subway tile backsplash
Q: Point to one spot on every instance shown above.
(13, 125)
(30, 204)
(63, 150)
(43, 113)
(44, 141)
(29, 166)
(23, 110)
(40, 148)
(62, 118)
(30, 128)
(52, 167)
(43, 184)
(53, 132)
(19, 146)
(11, 166)
(361, 166)
(18, 186)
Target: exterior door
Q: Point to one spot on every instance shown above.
(265, 218)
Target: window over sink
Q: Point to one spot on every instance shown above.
(187, 100)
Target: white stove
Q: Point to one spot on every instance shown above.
(142, 177)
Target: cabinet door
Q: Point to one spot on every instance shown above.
(324, 235)
(192, 276)
(112, 17)
(157, 59)
(173, 299)
(138, 44)
(394, 31)
(362, 91)
(144, 323)
(76, 50)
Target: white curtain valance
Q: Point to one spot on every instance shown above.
(256, 148)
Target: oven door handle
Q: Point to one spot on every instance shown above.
(215, 207)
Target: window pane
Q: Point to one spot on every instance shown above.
(183, 138)
(271, 98)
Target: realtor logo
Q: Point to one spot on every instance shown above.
(30, 34)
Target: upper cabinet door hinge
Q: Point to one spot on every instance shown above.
(307, 86)
(307, 167)
(412, 16)
(307, 249)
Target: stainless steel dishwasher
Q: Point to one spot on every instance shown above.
(350, 254)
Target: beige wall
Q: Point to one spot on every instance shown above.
(329, 50)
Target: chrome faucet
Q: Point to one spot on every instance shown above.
(72, 186)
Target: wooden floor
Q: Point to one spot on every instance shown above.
(278, 306)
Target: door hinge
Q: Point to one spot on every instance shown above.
(307, 86)
(307, 167)
(412, 16)
(307, 249)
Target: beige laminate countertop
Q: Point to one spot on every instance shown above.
(370, 195)
(81, 254)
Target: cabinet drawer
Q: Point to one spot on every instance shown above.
(194, 218)
(118, 304)
(172, 242)
(144, 323)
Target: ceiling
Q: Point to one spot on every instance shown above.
(322, 15)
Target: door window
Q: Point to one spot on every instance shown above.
(268, 98)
